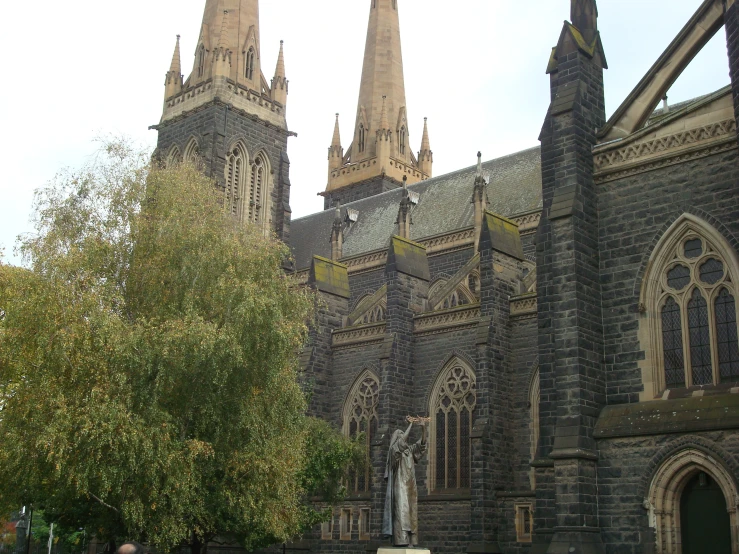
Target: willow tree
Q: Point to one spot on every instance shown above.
(147, 364)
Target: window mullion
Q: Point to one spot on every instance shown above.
(446, 450)
(713, 335)
(687, 362)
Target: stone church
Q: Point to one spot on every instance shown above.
(566, 315)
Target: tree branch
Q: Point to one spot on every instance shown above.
(104, 503)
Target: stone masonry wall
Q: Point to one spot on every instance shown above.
(216, 128)
(634, 214)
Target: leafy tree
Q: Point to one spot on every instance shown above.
(147, 365)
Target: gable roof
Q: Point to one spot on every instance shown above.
(444, 206)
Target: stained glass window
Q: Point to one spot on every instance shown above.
(453, 408)
(700, 345)
(712, 271)
(726, 335)
(360, 415)
(678, 277)
(693, 248)
(672, 339)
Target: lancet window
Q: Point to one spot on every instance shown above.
(360, 419)
(235, 167)
(401, 140)
(174, 157)
(693, 301)
(201, 60)
(258, 191)
(362, 137)
(452, 408)
(250, 57)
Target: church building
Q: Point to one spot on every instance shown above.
(566, 315)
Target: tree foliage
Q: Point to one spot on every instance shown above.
(147, 364)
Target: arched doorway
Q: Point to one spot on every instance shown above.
(704, 520)
(688, 488)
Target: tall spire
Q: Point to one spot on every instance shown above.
(279, 82)
(173, 81)
(380, 144)
(425, 155)
(382, 72)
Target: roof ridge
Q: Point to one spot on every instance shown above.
(426, 182)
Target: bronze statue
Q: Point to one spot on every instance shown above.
(400, 519)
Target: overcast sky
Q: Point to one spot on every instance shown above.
(476, 68)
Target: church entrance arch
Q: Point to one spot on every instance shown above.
(688, 488)
(704, 521)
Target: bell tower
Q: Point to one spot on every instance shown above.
(380, 155)
(227, 117)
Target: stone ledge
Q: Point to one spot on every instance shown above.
(658, 417)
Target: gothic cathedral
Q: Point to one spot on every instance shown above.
(565, 315)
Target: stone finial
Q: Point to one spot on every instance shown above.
(176, 65)
(337, 235)
(584, 16)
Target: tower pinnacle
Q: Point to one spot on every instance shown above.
(279, 82)
(173, 80)
(425, 155)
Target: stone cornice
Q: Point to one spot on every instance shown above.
(358, 335)
(524, 306)
(436, 245)
(454, 319)
(615, 160)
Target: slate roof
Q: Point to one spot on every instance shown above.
(514, 187)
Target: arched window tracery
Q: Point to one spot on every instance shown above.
(360, 418)
(452, 409)
(192, 151)
(173, 157)
(689, 299)
(259, 192)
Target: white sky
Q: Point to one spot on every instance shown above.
(476, 68)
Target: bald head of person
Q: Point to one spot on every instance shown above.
(131, 547)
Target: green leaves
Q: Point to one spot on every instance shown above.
(147, 367)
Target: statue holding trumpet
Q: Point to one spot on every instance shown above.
(400, 519)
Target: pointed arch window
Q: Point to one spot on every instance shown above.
(690, 299)
(250, 62)
(201, 60)
(452, 407)
(174, 157)
(258, 191)
(192, 151)
(362, 137)
(235, 181)
(401, 140)
(360, 419)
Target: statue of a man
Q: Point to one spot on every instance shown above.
(400, 520)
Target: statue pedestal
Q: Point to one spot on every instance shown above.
(402, 550)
